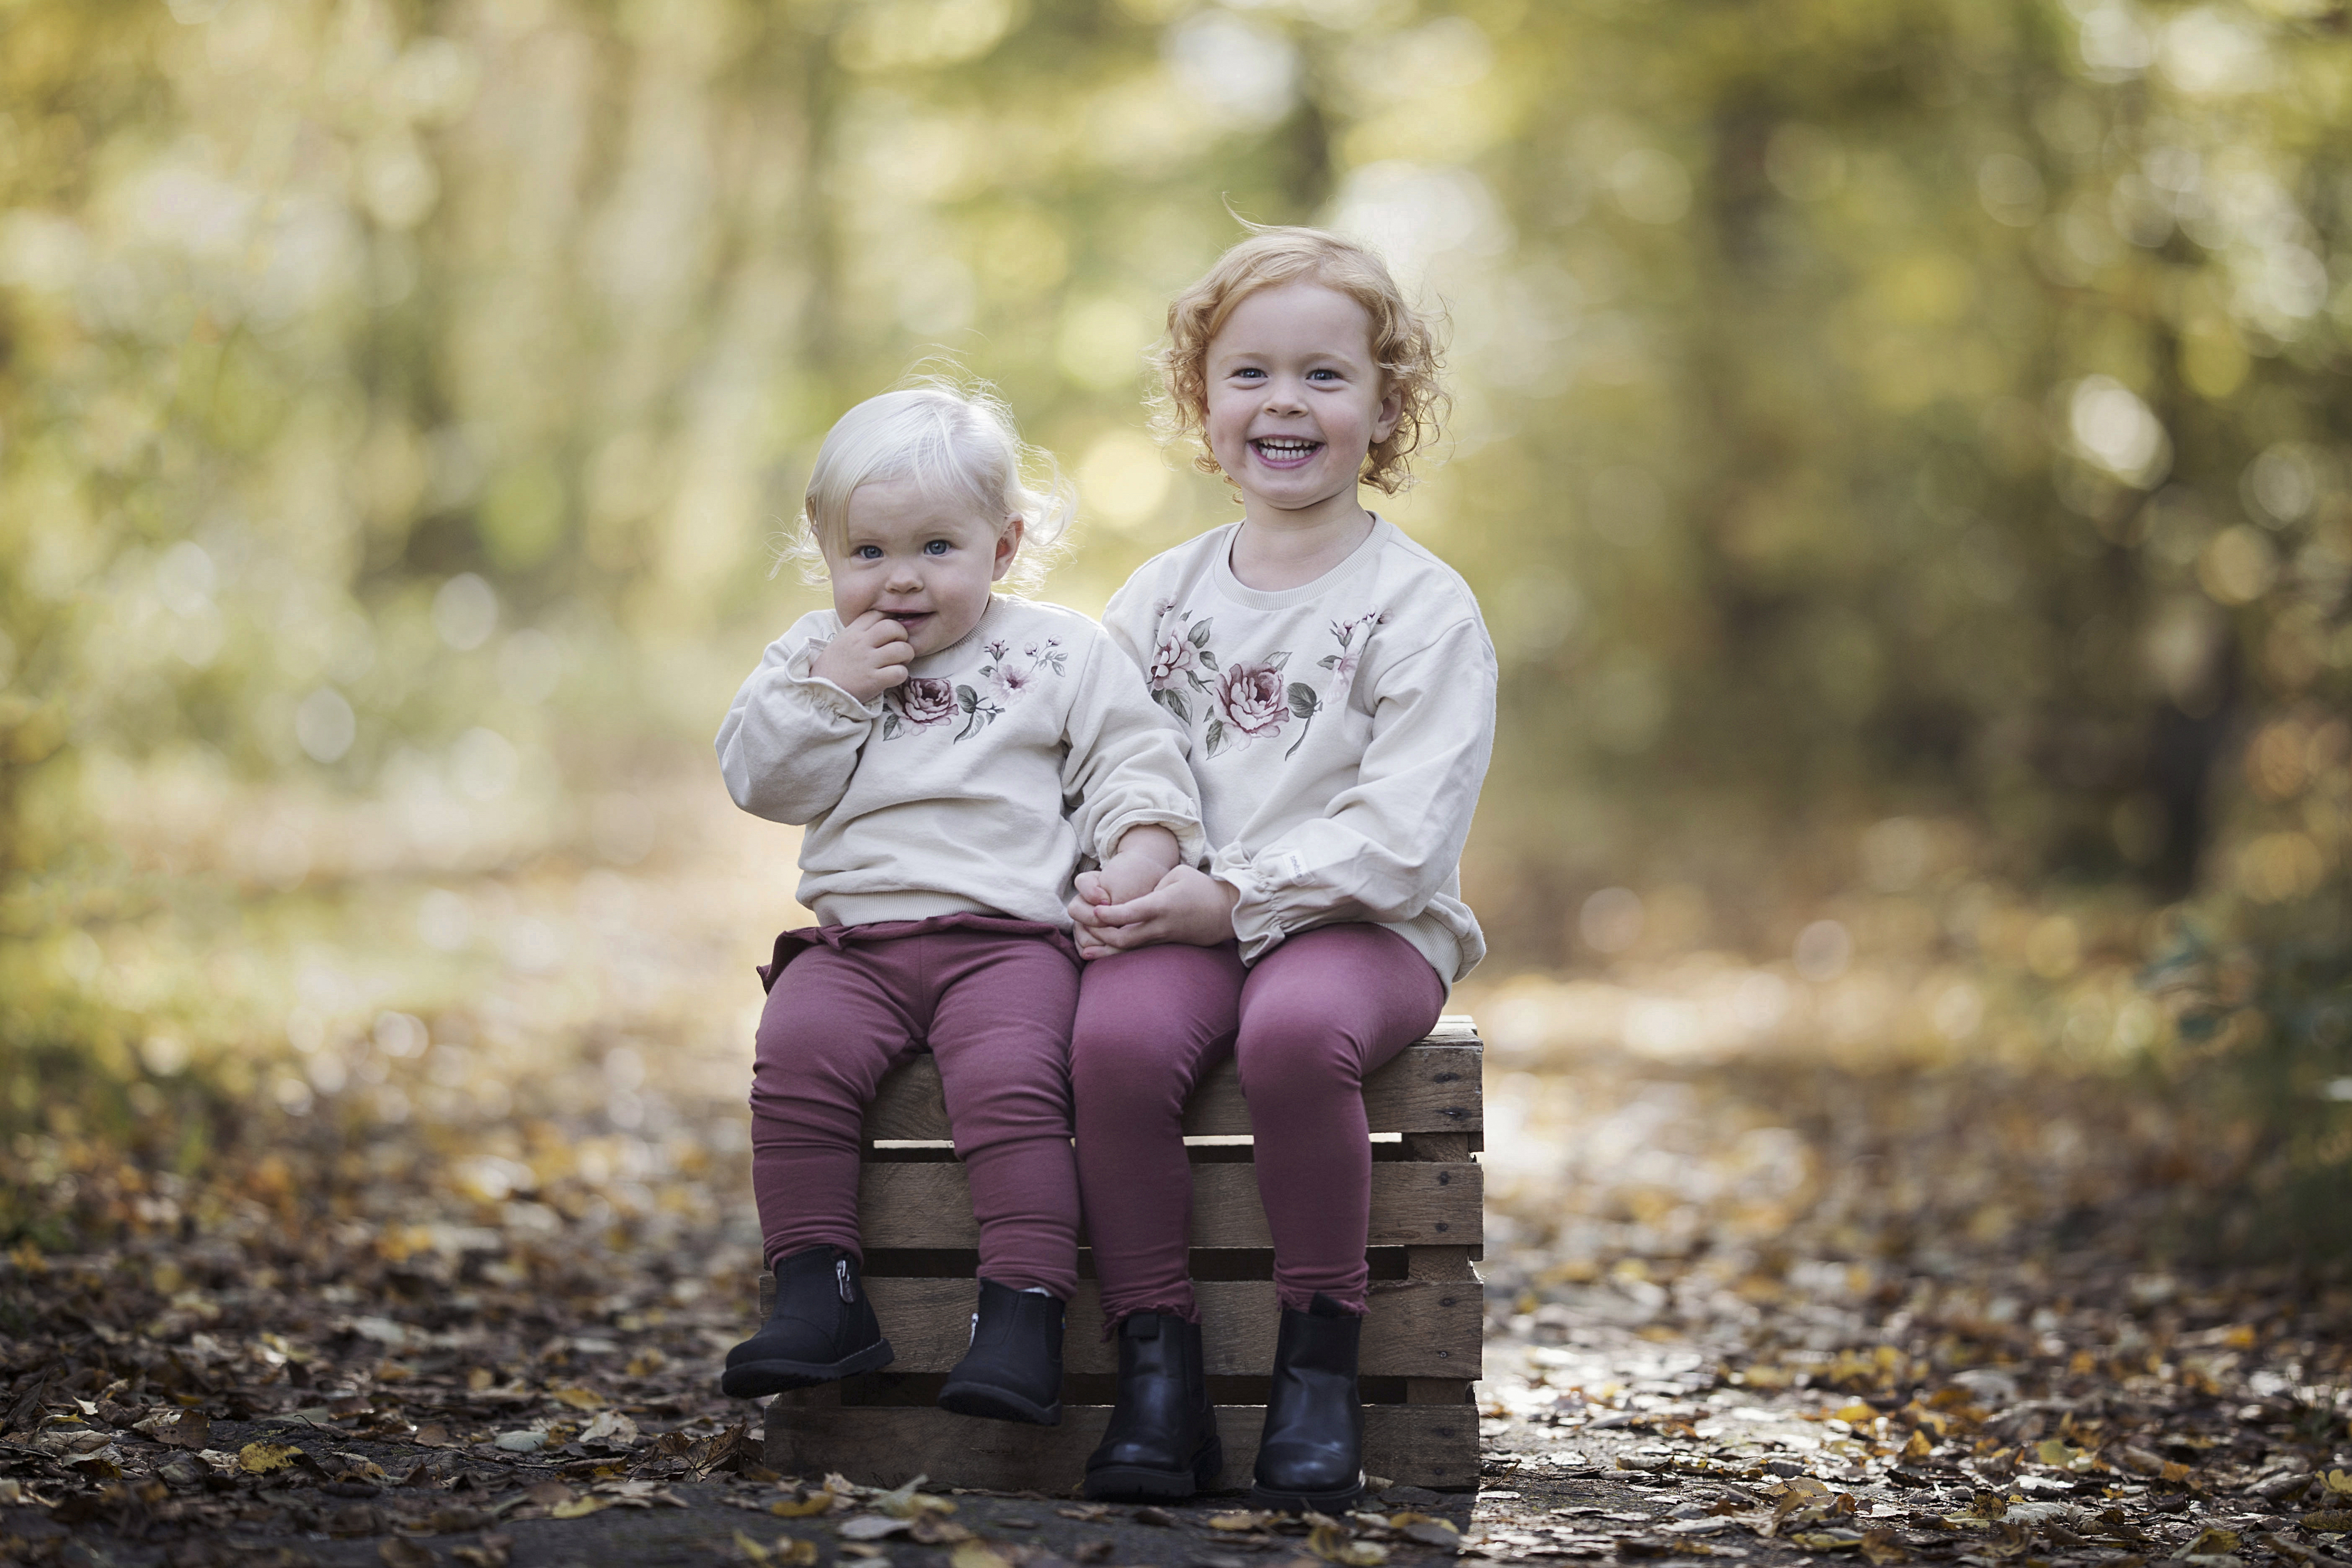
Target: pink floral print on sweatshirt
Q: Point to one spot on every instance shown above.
(924, 702)
(1246, 701)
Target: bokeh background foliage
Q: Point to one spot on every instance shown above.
(1901, 446)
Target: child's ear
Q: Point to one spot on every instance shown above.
(1391, 410)
(1008, 545)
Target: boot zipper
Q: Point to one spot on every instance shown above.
(975, 1338)
(841, 1277)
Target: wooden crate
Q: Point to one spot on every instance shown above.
(1422, 1337)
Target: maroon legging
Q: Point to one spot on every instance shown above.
(1306, 1024)
(993, 997)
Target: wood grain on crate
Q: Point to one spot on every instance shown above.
(1415, 1328)
(1413, 1204)
(1436, 1445)
(1421, 1335)
(1431, 1087)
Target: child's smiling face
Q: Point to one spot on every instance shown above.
(1295, 398)
(924, 560)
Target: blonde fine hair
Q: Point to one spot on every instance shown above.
(1407, 342)
(960, 445)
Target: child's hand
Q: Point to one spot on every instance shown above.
(1136, 865)
(1127, 875)
(868, 658)
(1187, 906)
(1082, 930)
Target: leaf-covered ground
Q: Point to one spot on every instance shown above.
(1778, 1310)
(458, 1296)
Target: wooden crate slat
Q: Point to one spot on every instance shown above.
(1415, 1328)
(1433, 1087)
(1431, 1445)
(1413, 1204)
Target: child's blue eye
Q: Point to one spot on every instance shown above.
(868, 552)
(937, 546)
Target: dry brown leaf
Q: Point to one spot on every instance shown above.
(452, 1520)
(261, 1458)
(193, 1430)
(1332, 1541)
(2286, 1546)
(611, 1430)
(871, 1527)
(1880, 1548)
(909, 1501)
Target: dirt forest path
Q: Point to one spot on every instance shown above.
(457, 1298)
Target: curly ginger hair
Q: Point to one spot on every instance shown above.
(1407, 342)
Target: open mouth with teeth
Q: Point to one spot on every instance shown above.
(1285, 451)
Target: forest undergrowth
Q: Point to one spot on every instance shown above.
(447, 1275)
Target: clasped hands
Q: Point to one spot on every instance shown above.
(1142, 896)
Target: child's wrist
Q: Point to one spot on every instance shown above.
(1150, 843)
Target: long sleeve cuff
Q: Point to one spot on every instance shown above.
(822, 693)
(1191, 843)
(1258, 920)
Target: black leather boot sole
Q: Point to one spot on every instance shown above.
(751, 1379)
(1118, 1483)
(821, 1328)
(1013, 1370)
(1332, 1503)
(992, 1404)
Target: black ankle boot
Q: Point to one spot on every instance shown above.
(1013, 1370)
(822, 1327)
(1162, 1438)
(1312, 1454)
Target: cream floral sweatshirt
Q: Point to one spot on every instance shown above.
(974, 786)
(1340, 732)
